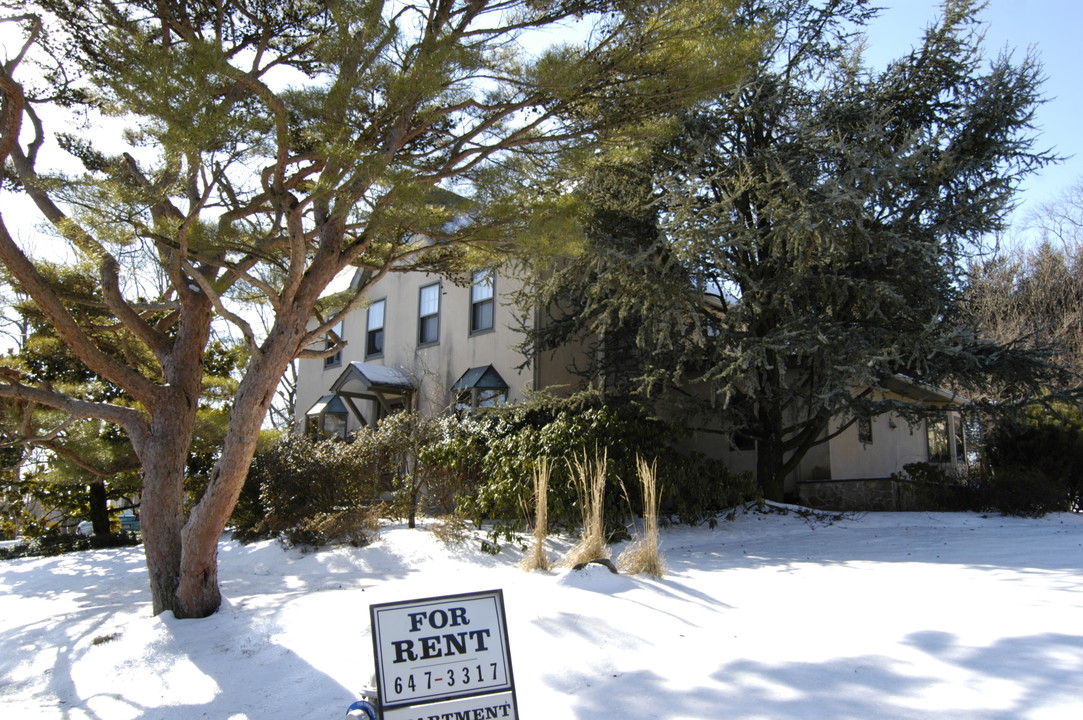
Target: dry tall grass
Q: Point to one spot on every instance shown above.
(643, 557)
(538, 560)
(589, 479)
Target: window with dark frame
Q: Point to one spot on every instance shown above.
(428, 323)
(937, 433)
(374, 325)
(482, 301)
(742, 443)
(333, 425)
(336, 359)
(864, 430)
(327, 418)
(479, 387)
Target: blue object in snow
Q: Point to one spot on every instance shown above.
(362, 709)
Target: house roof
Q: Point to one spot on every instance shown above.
(483, 378)
(921, 391)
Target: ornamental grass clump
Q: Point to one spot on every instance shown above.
(538, 560)
(589, 480)
(642, 557)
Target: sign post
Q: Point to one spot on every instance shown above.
(445, 658)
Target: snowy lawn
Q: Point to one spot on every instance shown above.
(876, 616)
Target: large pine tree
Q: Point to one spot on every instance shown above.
(269, 146)
(830, 210)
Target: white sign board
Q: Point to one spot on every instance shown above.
(440, 649)
(479, 707)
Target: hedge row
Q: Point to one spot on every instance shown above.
(481, 468)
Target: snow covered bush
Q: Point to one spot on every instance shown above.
(357, 527)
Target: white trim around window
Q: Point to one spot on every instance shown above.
(482, 301)
(375, 318)
(428, 315)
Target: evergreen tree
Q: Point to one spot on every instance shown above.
(87, 468)
(822, 217)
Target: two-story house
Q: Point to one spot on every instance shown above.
(430, 344)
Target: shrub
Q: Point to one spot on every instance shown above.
(483, 468)
(451, 530)
(643, 556)
(297, 485)
(300, 481)
(521, 435)
(436, 460)
(1008, 490)
(1023, 492)
(538, 560)
(353, 527)
(589, 479)
(53, 543)
(695, 488)
(1048, 443)
(937, 490)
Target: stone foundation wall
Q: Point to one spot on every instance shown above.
(883, 494)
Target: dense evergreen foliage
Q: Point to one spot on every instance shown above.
(481, 469)
(804, 239)
(1036, 458)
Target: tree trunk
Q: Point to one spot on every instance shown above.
(99, 507)
(162, 506)
(197, 592)
(770, 448)
(164, 455)
(769, 470)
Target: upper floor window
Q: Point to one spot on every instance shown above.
(482, 301)
(336, 359)
(374, 324)
(428, 314)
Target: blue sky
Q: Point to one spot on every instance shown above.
(1053, 29)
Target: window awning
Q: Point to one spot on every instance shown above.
(480, 378)
(328, 404)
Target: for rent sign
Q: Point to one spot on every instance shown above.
(444, 657)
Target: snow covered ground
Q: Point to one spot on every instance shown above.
(876, 616)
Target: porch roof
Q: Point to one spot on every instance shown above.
(361, 379)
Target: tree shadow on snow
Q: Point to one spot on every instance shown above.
(978, 541)
(217, 667)
(1043, 671)
(95, 614)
